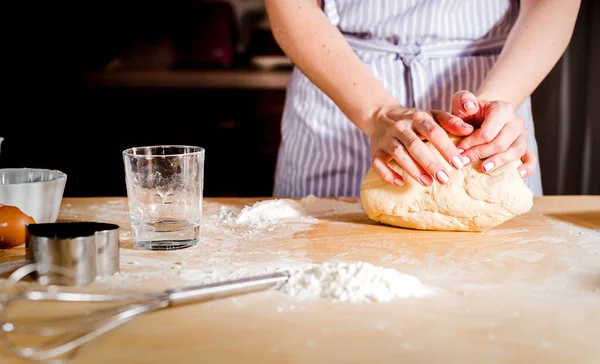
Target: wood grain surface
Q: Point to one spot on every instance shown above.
(527, 291)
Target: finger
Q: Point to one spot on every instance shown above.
(505, 139)
(401, 155)
(419, 151)
(434, 133)
(496, 116)
(515, 151)
(452, 123)
(529, 164)
(464, 104)
(385, 172)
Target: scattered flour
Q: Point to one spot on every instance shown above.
(357, 282)
(232, 272)
(505, 231)
(108, 211)
(552, 239)
(586, 238)
(526, 241)
(525, 255)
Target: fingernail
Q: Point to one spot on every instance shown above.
(523, 172)
(469, 105)
(426, 180)
(457, 162)
(466, 126)
(399, 182)
(442, 176)
(488, 166)
(466, 160)
(460, 150)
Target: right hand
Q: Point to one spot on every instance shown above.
(397, 133)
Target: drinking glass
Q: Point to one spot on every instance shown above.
(165, 190)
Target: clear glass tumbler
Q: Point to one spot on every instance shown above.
(165, 189)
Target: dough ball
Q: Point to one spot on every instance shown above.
(470, 201)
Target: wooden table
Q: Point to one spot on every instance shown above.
(527, 291)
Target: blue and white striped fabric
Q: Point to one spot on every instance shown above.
(422, 51)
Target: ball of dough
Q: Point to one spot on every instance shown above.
(470, 201)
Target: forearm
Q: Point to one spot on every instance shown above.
(320, 51)
(535, 44)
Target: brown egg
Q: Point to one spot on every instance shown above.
(13, 225)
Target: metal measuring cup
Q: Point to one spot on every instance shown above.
(73, 253)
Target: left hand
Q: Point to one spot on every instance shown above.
(501, 136)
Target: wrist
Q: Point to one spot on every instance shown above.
(487, 95)
(375, 113)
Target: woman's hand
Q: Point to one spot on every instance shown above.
(501, 137)
(397, 133)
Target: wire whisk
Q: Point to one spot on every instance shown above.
(68, 333)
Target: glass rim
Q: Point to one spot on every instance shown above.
(51, 175)
(194, 149)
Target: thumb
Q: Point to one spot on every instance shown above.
(529, 163)
(452, 123)
(464, 104)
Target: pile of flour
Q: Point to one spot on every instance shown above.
(268, 212)
(357, 282)
(264, 213)
(335, 281)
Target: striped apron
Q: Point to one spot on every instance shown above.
(422, 51)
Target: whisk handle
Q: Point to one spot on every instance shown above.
(225, 289)
(9, 267)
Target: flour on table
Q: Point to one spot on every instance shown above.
(239, 271)
(357, 282)
(552, 239)
(505, 231)
(586, 238)
(268, 212)
(525, 255)
(108, 211)
(338, 281)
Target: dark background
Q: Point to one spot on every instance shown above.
(199, 85)
(65, 121)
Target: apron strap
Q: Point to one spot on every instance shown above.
(415, 57)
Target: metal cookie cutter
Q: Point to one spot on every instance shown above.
(70, 253)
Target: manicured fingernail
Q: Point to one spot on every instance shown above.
(457, 162)
(399, 182)
(469, 105)
(466, 160)
(442, 176)
(426, 180)
(466, 126)
(523, 172)
(488, 166)
(460, 150)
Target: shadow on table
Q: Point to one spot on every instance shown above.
(592, 282)
(356, 218)
(588, 219)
